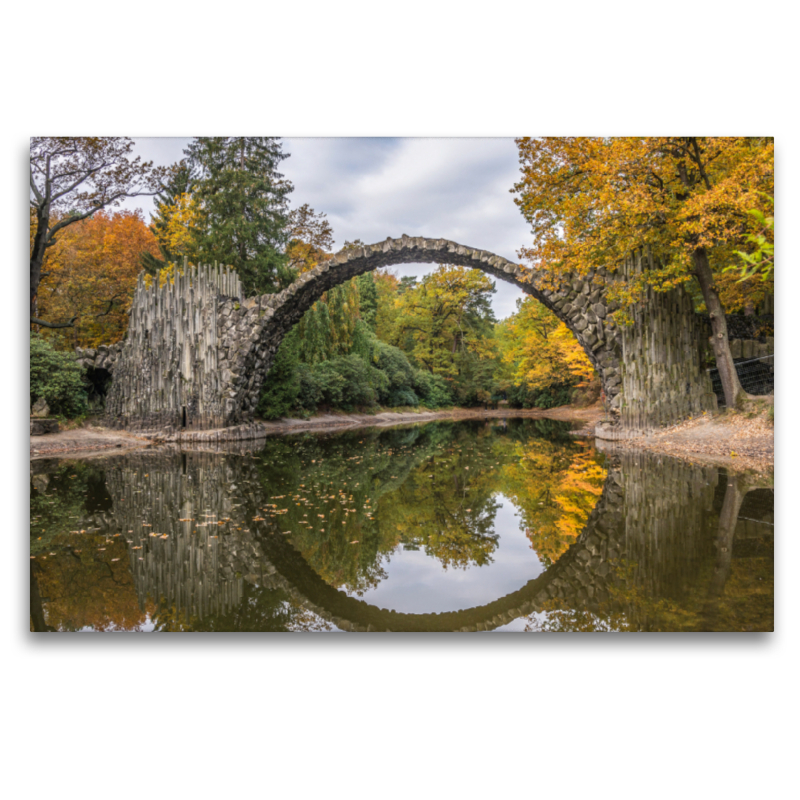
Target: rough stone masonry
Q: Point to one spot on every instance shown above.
(197, 351)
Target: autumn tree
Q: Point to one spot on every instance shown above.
(591, 201)
(310, 238)
(540, 351)
(72, 178)
(243, 201)
(91, 274)
(174, 221)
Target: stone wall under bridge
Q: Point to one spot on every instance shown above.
(197, 351)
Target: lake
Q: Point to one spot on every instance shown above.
(490, 525)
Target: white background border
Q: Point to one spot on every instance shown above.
(611, 716)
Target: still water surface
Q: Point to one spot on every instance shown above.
(491, 525)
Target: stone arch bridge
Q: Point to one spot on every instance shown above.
(197, 351)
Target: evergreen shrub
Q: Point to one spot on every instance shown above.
(58, 378)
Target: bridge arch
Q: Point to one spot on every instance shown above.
(197, 351)
(580, 304)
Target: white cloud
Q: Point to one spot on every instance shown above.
(372, 188)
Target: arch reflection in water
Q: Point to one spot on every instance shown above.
(295, 534)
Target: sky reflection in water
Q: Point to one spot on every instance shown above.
(454, 525)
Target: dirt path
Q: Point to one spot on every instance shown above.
(740, 441)
(84, 441)
(92, 439)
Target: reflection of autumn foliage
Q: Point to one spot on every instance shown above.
(556, 487)
(433, 488)
(84, 586)
(84, 578)
(555, 618)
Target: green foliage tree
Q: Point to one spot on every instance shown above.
(57, 377)
(244, 204)
(282, 386)
(345, 382)
(326, 329)
(445, 315)
(761, 262)
(368, 299)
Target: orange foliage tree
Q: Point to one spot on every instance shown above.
(90, 273)
(71, 179)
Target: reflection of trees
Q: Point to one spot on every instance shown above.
(375, 491)
(671, 556)
(556, 486)
(661, 550)
(740, 594)
(429, 487)
(446, 505)
(83, 578)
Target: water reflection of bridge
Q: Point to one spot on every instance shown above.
(648, 532)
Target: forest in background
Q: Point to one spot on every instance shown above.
(383, 339)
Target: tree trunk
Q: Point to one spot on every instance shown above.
(719, 327)
(38, 622)
(735, 491)
(37, 255)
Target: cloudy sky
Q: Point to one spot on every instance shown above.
(373, 188)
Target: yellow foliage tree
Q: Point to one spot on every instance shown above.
(688, 200)
(541, 350)
(445, 315)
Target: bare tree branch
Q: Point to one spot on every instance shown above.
(70, 324)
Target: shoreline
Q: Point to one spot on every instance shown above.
(90, 440)
(740, 441)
